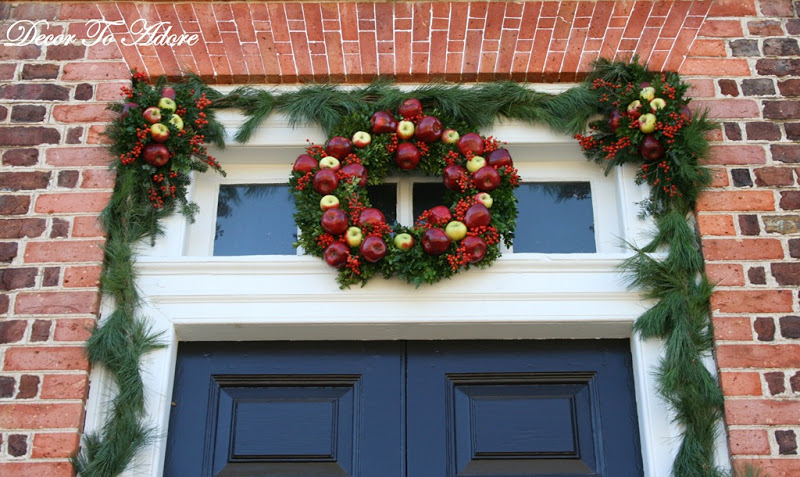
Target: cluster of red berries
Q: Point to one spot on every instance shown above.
(355, 207)
(423, 148)
(612, 149)
(392, 146)
(451, 158)
(303, 181)
(460, 210)
(315, 150)
(511, 173)
(490, 144)
(601, 83)
(351, 158)
(459, 258)
(202, 101)
(353, 264)
(488, 233)
(201, 120)
(586, 142)
(125, 91)
(155, 198)
(139, 76)
(324, 240)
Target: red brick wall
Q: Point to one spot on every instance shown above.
(739, 55)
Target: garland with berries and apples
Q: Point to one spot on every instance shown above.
(337, 222)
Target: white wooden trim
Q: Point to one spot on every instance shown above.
(191, 296)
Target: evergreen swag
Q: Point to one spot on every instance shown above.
(676, 283)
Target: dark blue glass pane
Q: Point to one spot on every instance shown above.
(384, 198)
(555, 217)
(255, 219)
(428, 195)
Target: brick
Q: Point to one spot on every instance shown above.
(765, 28)
(7, 71)
(760, 301)
(34, 92)
(7, 386)
(74, 135)
(98, 70)
(790, 200)
(53, 303)
(744, 48)
(28, 387)
(782, 224)
(84, 92)
(722, 67)
(790, 326)
(8, 251)
(728, 88)
(726, 275)
(65, 386)
(786, 274)
(731, 328)
(757, 355)
(787, 442)
(774, 176)
(84, 113)
(701, 88)
(721, 28)
(28, 52)
(716, 225)
(732, 8)
(757, 276)
(736, 200)
(781, 109)
(719, 177)
(763, 131)
(36, 469)
(15, 278)
(746, 441)
(789, 87)
(46, 358)
(758, 87)
(24, 180)
(4, 301)
(51, 276)
(777, 67)
(748, 224)
(740, 383)
(781, 47)
(60, 228)
(55, 445)
(776, 8)
(40, 331)
(98, 179)
(26, 113)
(28, 136)
(792, 131)
(12, 331)
(794, 381)
(18, 228)
(40, 71)
(728, 108)
(793, 26)
(733, 131)
(741, 178)
(794, 248)
(737, 155)
(87, 226)
(77, 156)
(80, 277)
(788, 153)
(74, 330)
(68, 179)
(21, 157)
(742, 249)
(764, 328)
(40, 416)
(775, 382)
(17, 445)
(72, 202)
(65, 52)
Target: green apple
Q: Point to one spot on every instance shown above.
(167, 104)
(403, 241)
(176, 121)
(475, 163)
(353, 236)
(656, 104)
(329, 162)
(329, 202)
(647, 93)
(647, 123)
(456, 230)
(485, 199)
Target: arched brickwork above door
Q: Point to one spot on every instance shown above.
(459, 41)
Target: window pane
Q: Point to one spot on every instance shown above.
(428, 195)
(255, 219)
(384, 198)
(555, 217)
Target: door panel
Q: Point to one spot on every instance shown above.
(536, 408)
(287, 410)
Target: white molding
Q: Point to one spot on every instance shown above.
(190, 296)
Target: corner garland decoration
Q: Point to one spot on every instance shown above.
(337, 222)
(645, 122)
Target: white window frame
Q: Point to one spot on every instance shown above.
(192, 296)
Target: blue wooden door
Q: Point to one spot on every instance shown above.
(404, 409)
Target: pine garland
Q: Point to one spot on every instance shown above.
(677, 283)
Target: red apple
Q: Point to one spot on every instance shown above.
(410, 108)
(155, 154)
(371, 217)
(435, 241)
(477, 216)
(405, 130)
(475, 247)
(406, 156)
(336, 255)
(486, 179)
(439, 215)
(450, 136)
(499, 157)
(338, 147)
(168, 92)
(452, 176)
(633, 109)
(356, 170)
(404, 241)
(651, 149)
(383, 122)
(159, 132)
(334, 221)
(485, 199)
(361, 139)
(373, 249)
(429, 129)
(305, 163)
(126, 110)
(152, 115)
(471, 142)
(613, 120)
(325, 181)
(686, 113)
